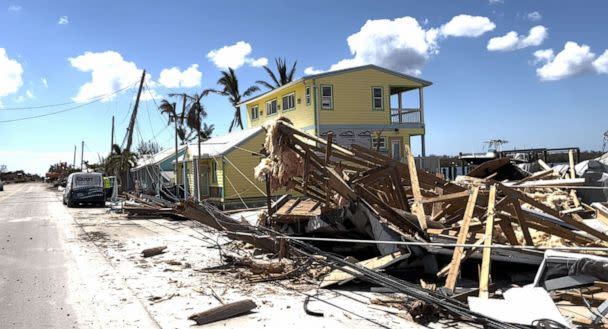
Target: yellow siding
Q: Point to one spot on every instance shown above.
(301, 116)
(353, 96)
(245, 162)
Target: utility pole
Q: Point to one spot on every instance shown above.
(134, 114)
(112, 137)
(74, 163)
(176, 152)
(81, 155)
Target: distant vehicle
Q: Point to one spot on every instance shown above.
(84, 188)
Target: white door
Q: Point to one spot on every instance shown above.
(396, 149)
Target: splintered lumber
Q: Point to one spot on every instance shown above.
(417, 207)
(484, 276)
(341, 277)
(521, 219)
(551, 183)
(450, 282)
(223, 312)
(153, 251)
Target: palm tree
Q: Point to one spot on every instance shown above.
(283, 76)
(120, 163)
(177, 118)
(207, 131)
(230, 89)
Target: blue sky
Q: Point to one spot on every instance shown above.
(542, 87)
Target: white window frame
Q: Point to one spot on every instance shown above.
(382, 143)
(293, 101)
(268, 112)
(308, 95)
(255, 110)
(330, 106)
(381, 98)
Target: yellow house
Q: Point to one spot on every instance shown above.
(225, 168)
(362, 105)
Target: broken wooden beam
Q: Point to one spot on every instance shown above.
(223, 312)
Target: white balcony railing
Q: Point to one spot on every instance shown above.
(406, 116)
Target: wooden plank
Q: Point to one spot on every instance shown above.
(521, 220)
(544, 165)
(338, 276)
(480, 238)
(507, 230)
(330, 138)
(223, 312)
(571, 219)
(571, 164)
(484, 277)
(462, 236)
(417, 207)
(446, 197)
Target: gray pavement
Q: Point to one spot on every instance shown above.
(33, 271)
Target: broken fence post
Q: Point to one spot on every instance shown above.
(223, 312)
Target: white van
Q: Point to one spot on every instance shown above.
(84, 187)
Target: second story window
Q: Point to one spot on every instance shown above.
(289, 102)
(327, 97)
(308, 96)
(271, 107)
(255, 112)
(377, 98)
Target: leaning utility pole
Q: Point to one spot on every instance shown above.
(81, 155)
(112, 137)
(134, 114)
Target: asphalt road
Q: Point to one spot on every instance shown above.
(33, 272)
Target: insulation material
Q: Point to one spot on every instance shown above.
(282, 162)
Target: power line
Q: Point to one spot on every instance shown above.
(62, 104)
(64, 110)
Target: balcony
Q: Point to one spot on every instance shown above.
(411, 116)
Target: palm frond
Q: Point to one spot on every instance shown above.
(265, 84)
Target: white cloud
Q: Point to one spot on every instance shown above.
(573, 60)
(14, 8)
(534, 16)
(512, 41)
(63, 20)
(544, 55)
(174, 78)
(44, 82)
(494, 2)
(235, 56)
(311, 70)
(29, 94)
(262, 61)
(11, 73)
(109, 72)
(601, 63)
(402, 44)
(467, 26)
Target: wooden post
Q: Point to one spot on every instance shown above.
(112, 137)
(484, 277)
(573, 176)
(176, 153)
(417, 206)
(450, 282)
(521, 219)
(400, 109)
(421, 103)
(330, 138)
(268, 198)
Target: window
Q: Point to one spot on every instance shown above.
(214, 171)
(289, 102)
(255, 112)
(308, 96)
(379, 143)
(271, 107)
(377, 98)
(327, 97)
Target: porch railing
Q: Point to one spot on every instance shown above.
(406, 116)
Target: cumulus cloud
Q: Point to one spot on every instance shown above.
(512, 41)
(573, 60)
(403, 44)
(534, 16)
(467, 26)
(14, 8)
(63, 20)
(174, 78)
(11, 73)
(311, 70)
(109, 72)
(44, 82)
(235, 56)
